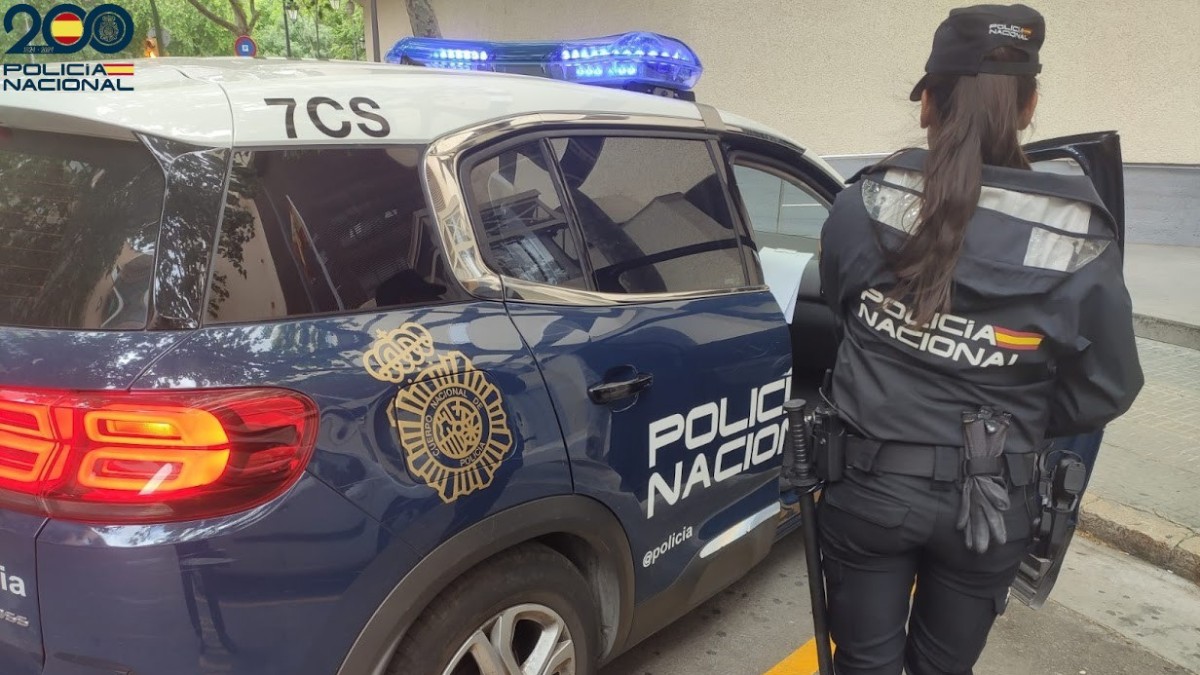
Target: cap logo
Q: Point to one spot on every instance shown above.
(1012, 31)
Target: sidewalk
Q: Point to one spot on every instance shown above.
(1144, 497)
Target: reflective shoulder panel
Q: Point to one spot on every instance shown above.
(1059, 238)
(895, 200)
(1062, 251)
(1055, 212)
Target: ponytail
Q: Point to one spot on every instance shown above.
(977, 121)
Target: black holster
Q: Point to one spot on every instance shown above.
(1060, 486)
(828, 444)
(1059, 491)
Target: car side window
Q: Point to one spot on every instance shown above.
(526, 234)
(311, 231)
(783, 211)
(653, 213)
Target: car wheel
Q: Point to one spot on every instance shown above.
(527, 611)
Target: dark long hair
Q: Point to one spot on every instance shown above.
(976, 122)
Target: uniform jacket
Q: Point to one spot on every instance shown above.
(1040, 326)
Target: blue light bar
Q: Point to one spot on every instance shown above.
(623, 61)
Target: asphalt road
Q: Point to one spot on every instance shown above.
(1109, 615)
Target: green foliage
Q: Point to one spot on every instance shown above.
(340, 34)
(193, 34)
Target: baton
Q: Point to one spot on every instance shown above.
(806, 483)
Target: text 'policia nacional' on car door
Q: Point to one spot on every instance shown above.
(667, 362)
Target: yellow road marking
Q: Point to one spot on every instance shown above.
(803, 661)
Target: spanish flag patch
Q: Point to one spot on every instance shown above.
(117, 69)
(1011, 339)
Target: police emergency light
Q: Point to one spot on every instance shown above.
(643, 61)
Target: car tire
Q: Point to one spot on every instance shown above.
(508, 610)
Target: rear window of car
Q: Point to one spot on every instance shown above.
(79, 221)
(324, 230)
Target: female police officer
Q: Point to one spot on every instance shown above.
(967, 287)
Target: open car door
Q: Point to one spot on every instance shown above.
(1098, 156)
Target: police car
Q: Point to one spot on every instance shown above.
(344, 368)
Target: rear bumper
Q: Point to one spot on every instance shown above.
(282, 589)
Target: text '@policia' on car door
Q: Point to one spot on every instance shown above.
(666, 358)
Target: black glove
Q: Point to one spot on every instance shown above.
(981, 517)
(984, 495)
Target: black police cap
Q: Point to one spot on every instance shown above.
(964, 40)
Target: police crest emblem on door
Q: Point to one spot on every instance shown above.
(450, 417)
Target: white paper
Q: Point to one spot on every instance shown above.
(783, 270)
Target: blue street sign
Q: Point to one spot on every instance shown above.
(245, 46)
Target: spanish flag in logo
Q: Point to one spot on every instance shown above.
(117, 69)
(1011, 339)
(67, 28)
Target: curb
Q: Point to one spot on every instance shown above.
(1166, 330)
(1145, 535)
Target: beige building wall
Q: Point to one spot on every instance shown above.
(835, 74)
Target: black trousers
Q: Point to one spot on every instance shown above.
(881, 534)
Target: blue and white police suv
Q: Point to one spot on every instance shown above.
(426, 369)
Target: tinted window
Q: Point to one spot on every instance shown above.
(783, 214)
(653, 213)
(525, 231)
(79, 219)
(310, 231)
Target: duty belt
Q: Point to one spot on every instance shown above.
(939, 462)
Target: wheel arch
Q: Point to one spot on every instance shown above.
(579, 528)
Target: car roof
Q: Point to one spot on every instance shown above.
(223, 102)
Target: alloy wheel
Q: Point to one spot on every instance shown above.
(527, 639)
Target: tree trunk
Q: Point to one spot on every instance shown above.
(158, 31)
(422, 19)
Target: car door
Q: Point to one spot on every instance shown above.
(1097, 156)
(625, 271)
(786, 198)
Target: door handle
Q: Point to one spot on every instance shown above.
(607, 392)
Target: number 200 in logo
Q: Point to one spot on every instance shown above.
(66, 29)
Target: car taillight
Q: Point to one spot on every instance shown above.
(150, 457)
